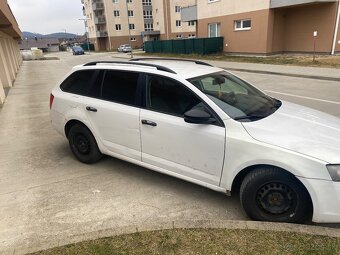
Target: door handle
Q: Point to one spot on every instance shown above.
(149, 123)
(91, 109)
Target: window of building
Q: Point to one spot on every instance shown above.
(191, 23)
(130, 13)
(146, 2)
(168, 96)
(178, 9)
(147, 14)
(214, 30)
(116, 13)
(179, 36)
(114, 1)
(191, 36)
(133, 39)
(120, 87)
(212, 1)
(132, 26)
(118, 27)
(148, 27)
(178, 23)
(243, 24)
(129, 1)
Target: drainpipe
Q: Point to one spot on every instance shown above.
(336, 29)
(107, 27)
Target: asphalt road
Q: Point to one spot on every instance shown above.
(45, 194)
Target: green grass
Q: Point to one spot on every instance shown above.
(204, 241)
(320, 61)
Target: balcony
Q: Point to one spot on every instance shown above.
(82, 1)
(99, 20)
(101, 34)
(289, 3)
(189, 13)
(97, 6)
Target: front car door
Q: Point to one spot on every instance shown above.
(191, 150)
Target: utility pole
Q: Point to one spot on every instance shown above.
(86, 33)
(128, 21)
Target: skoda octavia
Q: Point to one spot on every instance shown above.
(199, 123)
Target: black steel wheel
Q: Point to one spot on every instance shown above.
(83, 144)
(271, 194)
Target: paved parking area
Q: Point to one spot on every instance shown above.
(45, 194)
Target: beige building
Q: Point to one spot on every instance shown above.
(114, 22)
(10, 58)
(269, 26)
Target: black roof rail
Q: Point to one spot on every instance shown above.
(158, 67)
(198, 62)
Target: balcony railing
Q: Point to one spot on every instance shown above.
(288, 3)
(99, 20)
(101, 33)
(97, 6)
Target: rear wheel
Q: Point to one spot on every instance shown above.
(83, 144)
(271, 194)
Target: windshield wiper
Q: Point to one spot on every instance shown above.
(250, 117)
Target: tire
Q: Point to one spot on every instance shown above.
(83, 144)
(271, 194)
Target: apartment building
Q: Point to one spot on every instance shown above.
(10, 58)
(114, 22)
(269, 26)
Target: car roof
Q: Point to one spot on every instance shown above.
(184, 68)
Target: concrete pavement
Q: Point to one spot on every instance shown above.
(49, 198)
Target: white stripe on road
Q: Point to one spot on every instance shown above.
(309, 98)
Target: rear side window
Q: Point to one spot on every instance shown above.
(85, 83)
(120, 87)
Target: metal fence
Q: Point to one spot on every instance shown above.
(200, 46)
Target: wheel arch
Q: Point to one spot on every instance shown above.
(237, 181)
(70, 123)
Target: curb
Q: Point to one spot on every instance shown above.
(315, 77)
(306, 76)
(43, 243)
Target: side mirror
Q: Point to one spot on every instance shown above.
(198, 116)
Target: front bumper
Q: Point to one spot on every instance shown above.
(326, 199)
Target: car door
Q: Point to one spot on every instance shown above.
(114, 115)
(191, 150)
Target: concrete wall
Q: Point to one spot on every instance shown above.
(10, 57)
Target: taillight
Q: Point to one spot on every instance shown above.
(51, 100)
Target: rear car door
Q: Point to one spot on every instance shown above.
(114, 115)
(191, 150)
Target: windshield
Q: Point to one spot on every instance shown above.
(77, 48)
(237, 98)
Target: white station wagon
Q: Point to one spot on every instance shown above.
(204, 125)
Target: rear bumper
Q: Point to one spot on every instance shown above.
(326, 199)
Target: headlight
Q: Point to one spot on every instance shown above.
(334, 172)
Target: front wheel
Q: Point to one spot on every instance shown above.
(83, 144)
(271, 194)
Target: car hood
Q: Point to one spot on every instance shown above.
(300, 129)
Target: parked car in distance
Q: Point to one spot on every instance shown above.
(124, 48)
(202, 124)
(77, 50)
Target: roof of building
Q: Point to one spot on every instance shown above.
(27, 44)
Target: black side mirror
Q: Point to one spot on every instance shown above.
(198, 116)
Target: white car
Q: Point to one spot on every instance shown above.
(124, 48)
(207, 126)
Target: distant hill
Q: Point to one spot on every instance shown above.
(60, 35)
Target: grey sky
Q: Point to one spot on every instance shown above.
(48, 16)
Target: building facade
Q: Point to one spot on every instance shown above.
(10, 58)
(111, 23)
(269, 26)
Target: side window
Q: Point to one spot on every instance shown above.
(120, 87)
(82, 83)
(168, 96)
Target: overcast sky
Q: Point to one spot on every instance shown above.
(48, 16)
